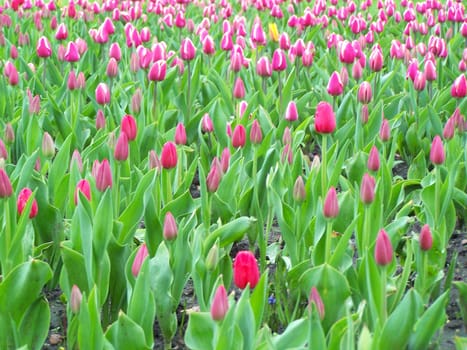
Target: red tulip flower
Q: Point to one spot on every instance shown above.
(383, 249)
(169, 155)
(23, 198)
(245, 270)
(325, 120)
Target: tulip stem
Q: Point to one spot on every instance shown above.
(5, 245)
(437, 195)
(264, 85)
(323, 166)
(188, 105)
(366, 232)
(383, 306)
(154, 111)
(117, 190)
(280, 92)
(44, 74)
(327, 256)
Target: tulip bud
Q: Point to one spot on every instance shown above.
(9, 136)
(80, 81)
(23, 198)
(256, 136)
(71, 53)
(3, 151)
(140, 256)
(48, 147)
(239, 89)
(129, 127)
(100, 120)
(225, 160)
(299, 192)
(180, 134)
(102, 94)
(367, 189)
(43, 48)
(383, 249)
(315, 299)
(287, 136)
(84, 187)
(364, 93)
(239, 136)
(115, 52)
(112, 68)
(437, 155)
(121, 148)
(263, 67)
(169, 155)
(245, 270)
(213, 257)
(214, 176)
(103, 176)
(430, 70)
(449, 129)
(136, 101)
(420, 81)
(384, 131)
(426, 239)
(170, 229)
(331, 205)
(373, 159)
(376, 60)
(291, 113)
(459, 87)
(220, 304)
(325, 120)
(154, 162)
(187, 50)
(335, 85)
(5, 185)
(158, 71)
(75, 299)
(206, 123)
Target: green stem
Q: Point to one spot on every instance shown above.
(6, 244)
(424, 276)
(117, 190)
(188, 105)
(280, 93)
(366, 231)
(154, 106)
(383, 306)
(323, 166)
(437, 199)
(168, 186)
(327, 256)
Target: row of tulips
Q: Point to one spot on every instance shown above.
(143, 100)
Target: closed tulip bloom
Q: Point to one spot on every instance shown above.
(103, 176)
(85, 188)
(279, 61)
(71, 53)
(158, 71)
(75, 299)
(430, 70)
(420, 81)
(169, 155)
(140, 256)
(23, 198)
(5, 184)
(315, 299)
(209, 47)
(170, 229)
(225, 160)
(385, 131)
(102, 94)
(129, 127)
(437, 155)
(239, 136)
(100, 120)
(220, 304)
(367, 189)
(258, 36)
(76, 160)
(383, 249)
(62, 32)
(264, 67)
(426, 238)
(449, 129)
(335, 85)
(325, 120)
(43, 48)
(81, 81)
(9, 138)
(373, 159)
(214, 176)
(13, 76)
(331, 205)
(365, 93)
(115, 52)
(112, 68)
(180, 134)
(376, 60)
(121, 148)
(154, 161)
(48, 147)
(347, 53)
(291, 113)
(206, 123)
(239, 89)
(256, 135)
(245, 270)
(187, 50)
(299, 192)
(459, 87)
(72, 84)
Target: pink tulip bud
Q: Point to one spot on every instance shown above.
(426, 238)
(169, 155)
(112, 68)
(77, 160)
(71, 53)
(100, 120)
(367, 189)
(376, 60)
(103, 176)
(62, 32)
(81, 81)
(364, 114)
(357, 70)
(258, 36)
(23, 198)
(214, 176)
(121, 148)
(206, 123)
(245, 270)
(263, 67)
(180, 134)
(72, 83)
(287, 136)
(299, 192)
(449, 129)
(220, 304)
(154, 162)
(383, 249)
(430, 70)
(365, 93)
(420, 81)
(43, 48)
(279, 61)
(115, 52)
(459, 87)
(5, 185)
(187, 50)
(102, 94)
(315, 299)
(239, 89)
(75, 299)
(291, 113)
(331, 205)
(170, 229)
(347, 53)
(48, 147)
(373, 159)
(256, 136)
(158, 71)
(85, 188)
(129, 127)
(225, 160)
(9, 137)
(325, 120)
(239, 136)
(385, 131)
(335, 85)
(437, 155)
(209, 47)
(140, 256)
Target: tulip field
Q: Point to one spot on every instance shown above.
(218, 174)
